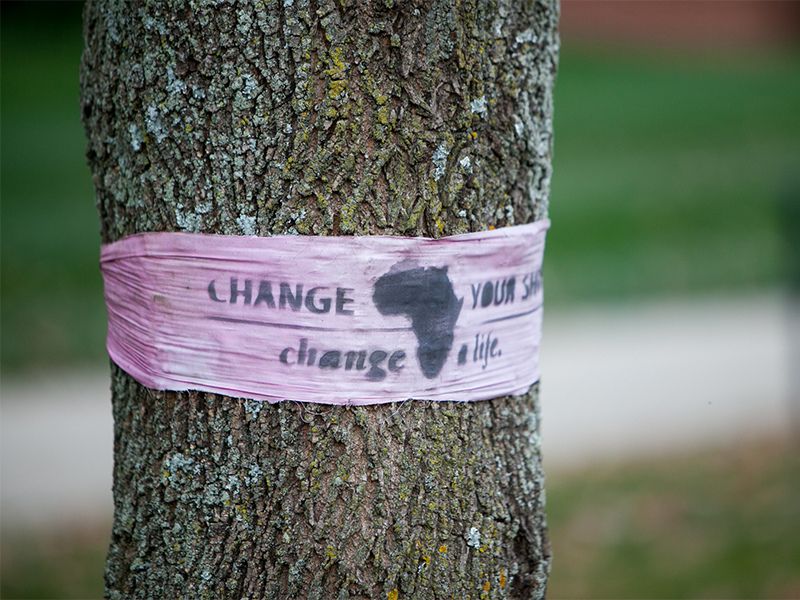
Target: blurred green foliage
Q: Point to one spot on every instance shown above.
(667, 174)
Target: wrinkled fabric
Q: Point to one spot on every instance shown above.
(332, 320)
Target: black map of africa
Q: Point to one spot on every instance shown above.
(424, 295)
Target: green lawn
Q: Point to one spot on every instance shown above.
(718, 524)
(52, 305)
(668, 172)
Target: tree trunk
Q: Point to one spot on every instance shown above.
(321, 118)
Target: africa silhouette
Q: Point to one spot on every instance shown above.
(424, 295)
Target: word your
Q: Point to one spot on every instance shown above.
(315, 300)
(495, 293)
(349, 360)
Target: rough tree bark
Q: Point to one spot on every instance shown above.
(320, 117)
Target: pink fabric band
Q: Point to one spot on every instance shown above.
(333, 320)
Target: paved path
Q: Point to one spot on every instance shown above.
(629, 381)
(618, 382)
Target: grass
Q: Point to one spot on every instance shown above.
(668, 176)
(52, 305)
(56, 564)
(717, 524)
(670, 173)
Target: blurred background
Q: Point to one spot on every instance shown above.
(671, 356)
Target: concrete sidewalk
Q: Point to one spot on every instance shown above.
(619, 382)
(627, 381)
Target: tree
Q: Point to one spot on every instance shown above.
(321, 118)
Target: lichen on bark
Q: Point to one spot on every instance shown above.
(321, 118)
